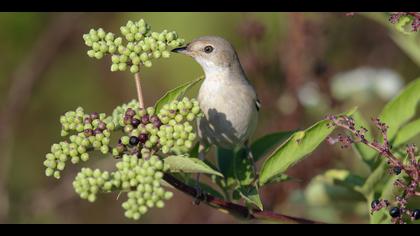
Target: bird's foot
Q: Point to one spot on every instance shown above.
(199, 196)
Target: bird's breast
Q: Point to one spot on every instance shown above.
(230, 114)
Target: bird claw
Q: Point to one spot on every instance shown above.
(199, 196)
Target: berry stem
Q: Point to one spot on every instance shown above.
(139, 89)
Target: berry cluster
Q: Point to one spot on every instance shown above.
(89, 182)
(168, 131)
(143, 177)
(92, 132)
(139, 177)
(411, 167)
(146, 134)
(142, 46)
(176, 133)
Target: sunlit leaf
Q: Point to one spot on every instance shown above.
(295, 148)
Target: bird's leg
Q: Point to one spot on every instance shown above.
(250, 157)
(199, 191)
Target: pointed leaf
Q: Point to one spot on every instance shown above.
(407, 132)
(189, 165)
(265, 144)
(175, 93)
(402, 108)
(295, 149)
(251, 196)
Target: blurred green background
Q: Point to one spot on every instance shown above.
(303, 65)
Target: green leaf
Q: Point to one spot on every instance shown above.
(225, 159)
(377, 176)
(189, 165)
(402, 108)
(279, 178)
(295, 148)
(366, 153)
(265, 144)
(407, 132)
(242, 168)
(175, 93)
(251, 196)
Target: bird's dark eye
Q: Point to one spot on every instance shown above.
(208, 49)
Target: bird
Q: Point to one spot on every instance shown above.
(226, 97)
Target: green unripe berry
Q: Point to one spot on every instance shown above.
(166, 54)
(122, 66)
(134, 69)
(156, 54)
(135, 60)
(114, 67)
(49, 172)
(118, 41)
(91, 53)
(138, 36)
(144, 57)
(99, 55)
(124, 30)
(104, 149)
(84, 157)
(101, 33)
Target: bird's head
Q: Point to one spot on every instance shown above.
(211, 52)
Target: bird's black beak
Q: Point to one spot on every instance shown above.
(182, 50)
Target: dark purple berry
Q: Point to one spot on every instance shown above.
(94, 115)
(102, 126)
(134, 140)
(130, 112)
(397, 170)
(375, 203)
(127, 120)
(395, 212)
(145, 119)
(135, 122)
(97, 131)
(416, 214)
(87, 120)
(153, 118)
(143, 138)
(157, 123)
(88, 132)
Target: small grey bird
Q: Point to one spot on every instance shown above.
(228, 100)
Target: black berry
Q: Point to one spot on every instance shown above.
(135, 122)
(397, 170)
(375, 203)
(143, 138)
(395, 212)
(416, 214)
(134, 140)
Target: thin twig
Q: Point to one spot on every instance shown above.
(139, 90)
(233, 208)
